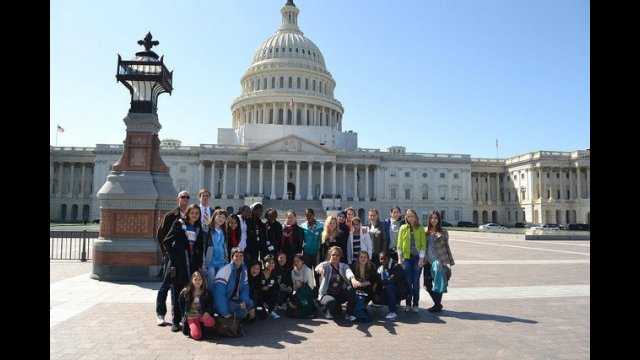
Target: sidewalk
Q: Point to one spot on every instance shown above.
(507, 299)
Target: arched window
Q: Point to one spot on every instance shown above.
(290, 82)
(264, 83)
(273, 82)
(281, 82)
(314, 85)
(306, 84)
(298, 83)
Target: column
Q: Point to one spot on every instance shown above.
(248, 192)
(273, 180)
(261, 177)
(552, 184)
(284, 190)
(321, 179)
(235, 189)
(355, 182)
(224, 180)
(489, 197)
(51, 168)
(540, 184)
(561, 184)
(366, 183)
(479, 191)
(570, 184)
(498, 200)
(82, 174)
(344, 182)
(297, 180)
(213, 180)
(529, 176)
(333, 179)
(382, 183)
(71, 178)
(200, 175)
(578, 182)
(589, 183)
(309, 187)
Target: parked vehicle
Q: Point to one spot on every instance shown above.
(466, 224)
(579, 227)
(491, 226)
(446, 223)
(546, 227)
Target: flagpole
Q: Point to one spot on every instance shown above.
(497, 157)
(57, 136)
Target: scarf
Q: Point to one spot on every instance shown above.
(287, 235)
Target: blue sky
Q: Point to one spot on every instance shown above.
(435, 76)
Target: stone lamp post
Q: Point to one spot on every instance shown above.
(138, 190)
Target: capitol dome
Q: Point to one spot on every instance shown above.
(286, 87)
(290, 44)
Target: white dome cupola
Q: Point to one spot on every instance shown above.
(287, 85)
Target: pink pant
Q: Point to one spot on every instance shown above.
(194, 325)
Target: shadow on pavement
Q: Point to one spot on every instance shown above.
(467, 315)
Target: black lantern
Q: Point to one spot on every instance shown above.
(145, 76)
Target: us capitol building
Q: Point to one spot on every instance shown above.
(286, 148)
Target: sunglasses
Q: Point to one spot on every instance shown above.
(185, 197)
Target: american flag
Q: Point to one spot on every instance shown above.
(291, 105)
(60, 129)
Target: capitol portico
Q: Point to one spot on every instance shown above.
(287, 149)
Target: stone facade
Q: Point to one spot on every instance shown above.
(286, 148)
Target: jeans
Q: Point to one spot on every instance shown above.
(412, 271)
(240, 313)
(161, 300)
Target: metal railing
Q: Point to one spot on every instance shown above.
(72, 245)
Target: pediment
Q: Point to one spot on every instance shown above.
(291, 143)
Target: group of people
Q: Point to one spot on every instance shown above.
(236, 265)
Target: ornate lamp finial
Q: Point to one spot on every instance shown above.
(147, 43)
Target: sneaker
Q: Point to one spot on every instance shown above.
(350, 318)
(175, 328)
(159, 320)
(407, 308)
(391, 316)
(274, 315)
(414, 308)
(282, 307)
(435, 308)
(372, 304)
(327, 315)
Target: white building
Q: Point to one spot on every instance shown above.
(287, 149)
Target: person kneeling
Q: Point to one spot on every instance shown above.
(196, 304)
(336, 284)
(231, 288)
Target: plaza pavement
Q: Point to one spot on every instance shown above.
(508, 299)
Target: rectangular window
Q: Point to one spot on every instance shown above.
(393, 193)
(407, 174)
(183, 169)
(424, 175)
(456, 193)
(456, 176)
(425, 194)
(457, 215)
(443, 214)
(443, 192)
(441, 175)
(392, 174)
(508, 216)
(407, 194)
